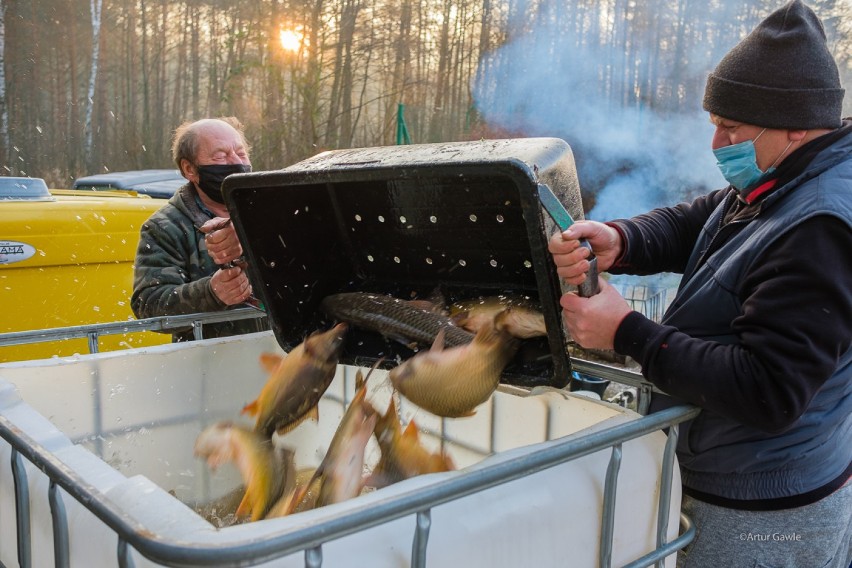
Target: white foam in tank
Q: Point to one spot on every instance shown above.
(127, 421)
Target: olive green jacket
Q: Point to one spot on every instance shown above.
(173, 269)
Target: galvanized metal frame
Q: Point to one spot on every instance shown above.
(644, 388)
(92, 332)
(417, 502)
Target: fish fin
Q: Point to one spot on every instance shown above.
(502, 318)
(460, 318)
(279, 509)
(251, 408)
(438, 344)
(269, 361)
(360, 396)
(370, 372)
(426, 305)
(490, 332)
(313, 414)
(435, 302)
(411, 431)
(494, 333)
(301, 492)
(448, 462)
(296, 499)
(391, 411)
(245, 508)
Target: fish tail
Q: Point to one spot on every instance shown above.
(245, 508)
(299, 495)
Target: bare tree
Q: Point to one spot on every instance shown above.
(4, 113)
(106, 88)
(95, 7)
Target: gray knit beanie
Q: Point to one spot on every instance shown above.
(780, 76)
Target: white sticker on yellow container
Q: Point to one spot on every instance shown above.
(13, 251)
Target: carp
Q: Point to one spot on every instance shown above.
(453, 382)
(403, 455)
(401, 320)
(267, 472)
(296, 382)
(523, 319)
(340, 474)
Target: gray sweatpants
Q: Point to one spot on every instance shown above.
(814, 536)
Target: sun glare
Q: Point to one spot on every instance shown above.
(291, 40)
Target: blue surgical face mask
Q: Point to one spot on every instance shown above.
(738, 163)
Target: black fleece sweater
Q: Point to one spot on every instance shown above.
(785, 353)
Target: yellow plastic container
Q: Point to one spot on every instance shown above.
(66, 259)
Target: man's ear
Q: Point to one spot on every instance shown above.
(187, 170)
(796, 135)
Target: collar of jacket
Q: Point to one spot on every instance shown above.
(188, 195)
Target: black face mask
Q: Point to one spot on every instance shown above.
(210, 178)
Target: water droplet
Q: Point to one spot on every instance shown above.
(402, 219)
(527, 264)
(433, 219)
(428, 260)
(473, 218)
(493, 263)
(271, 264)
(500, 218)
(462, 262)
(381, 219)
(370, 257)
(396, 259)
(357, 217)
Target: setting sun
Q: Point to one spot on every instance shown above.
(291, 40)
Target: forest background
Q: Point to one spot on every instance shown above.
(90, 86)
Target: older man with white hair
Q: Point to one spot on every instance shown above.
(189, 258)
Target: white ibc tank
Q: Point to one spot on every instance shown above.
(126, 423)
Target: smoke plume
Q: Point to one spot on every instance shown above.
(629, 158)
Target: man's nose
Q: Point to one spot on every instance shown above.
(720, 140)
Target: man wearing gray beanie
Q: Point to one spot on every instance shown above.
(760, 333)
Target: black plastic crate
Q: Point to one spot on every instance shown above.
(461, 217)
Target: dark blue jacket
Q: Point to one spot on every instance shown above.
(759, 333)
